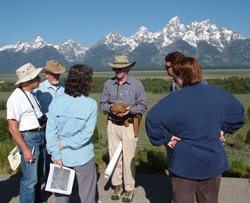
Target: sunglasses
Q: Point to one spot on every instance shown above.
(167, 67)
(119, 69)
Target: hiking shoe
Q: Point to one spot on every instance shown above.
(128, 197)
(117, 193)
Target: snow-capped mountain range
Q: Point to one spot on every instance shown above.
(173, 37)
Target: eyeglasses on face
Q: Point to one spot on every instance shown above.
(119, 69)
(167, 67)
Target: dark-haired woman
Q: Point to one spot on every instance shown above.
(71, 123)
(190, 121)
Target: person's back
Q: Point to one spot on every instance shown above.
(191, 122)
(197, 120)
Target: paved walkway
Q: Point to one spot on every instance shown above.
(149, 189)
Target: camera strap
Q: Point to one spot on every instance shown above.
(32, 104)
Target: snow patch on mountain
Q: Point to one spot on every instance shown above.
(193, 34)
(27, 47)
(72, 51)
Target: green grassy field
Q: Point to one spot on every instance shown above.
(152, 100)
(143, 141)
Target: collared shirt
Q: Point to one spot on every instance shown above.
(20, 109)
(131, 92)
(45, 93)
(71, 120)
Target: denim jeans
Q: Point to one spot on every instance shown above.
(30, 185)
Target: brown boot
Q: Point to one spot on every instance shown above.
(117, 193)
(128, 197)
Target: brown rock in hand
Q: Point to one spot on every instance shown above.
(119, 108)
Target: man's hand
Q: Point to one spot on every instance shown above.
(28, 156)
(58, 162)
(111, 107)
(16, 134)
(173, 141)
(222, 138)
(125, 113)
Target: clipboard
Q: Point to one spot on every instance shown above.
(60, 181)
(14, 158)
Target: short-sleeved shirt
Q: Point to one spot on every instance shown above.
(20, 109)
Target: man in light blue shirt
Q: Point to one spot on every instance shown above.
(50, 87)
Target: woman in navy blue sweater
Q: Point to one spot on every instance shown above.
(190, 121)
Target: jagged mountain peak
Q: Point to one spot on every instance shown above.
(71, 41)
(68, 43)
(143, 29)
(38, 39)
(171, 37)
(113, 34)
(174, 22)
(72, 51)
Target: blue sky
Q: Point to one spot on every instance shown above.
(87, 21)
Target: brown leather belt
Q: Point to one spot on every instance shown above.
(120, 122)
(35, 130)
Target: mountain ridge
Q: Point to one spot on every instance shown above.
(212, 46)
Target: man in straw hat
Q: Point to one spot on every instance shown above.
(126, 89)
(47, 90)
(26, 127)
(50, 87)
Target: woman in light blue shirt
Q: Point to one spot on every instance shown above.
(71, 123)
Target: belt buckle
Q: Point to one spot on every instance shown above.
(120, 123)
(116, 122)
(41, 129)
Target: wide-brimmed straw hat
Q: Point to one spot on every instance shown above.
(121, 62)
(54, 67)
(27, 72)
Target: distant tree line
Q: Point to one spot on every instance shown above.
(234, 85)
(225, 67)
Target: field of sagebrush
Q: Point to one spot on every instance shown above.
(150, 159)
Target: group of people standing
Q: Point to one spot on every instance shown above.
(56, 122)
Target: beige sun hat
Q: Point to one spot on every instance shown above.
(121, 62)
(54, 67)
(27, 72)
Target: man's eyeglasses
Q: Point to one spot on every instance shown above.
(167, 67)
(119, 69)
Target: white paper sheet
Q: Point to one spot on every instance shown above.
(14, 158)
(60, 181)
(113, 161)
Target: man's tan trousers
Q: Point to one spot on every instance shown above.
(125, 167)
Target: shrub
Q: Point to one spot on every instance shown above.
(239, 141)
(95, 136)
(4, 130)
(238, 168)
(248, 114)
(2, 104)
(248, 137)
(6, 148)
(151, 160)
